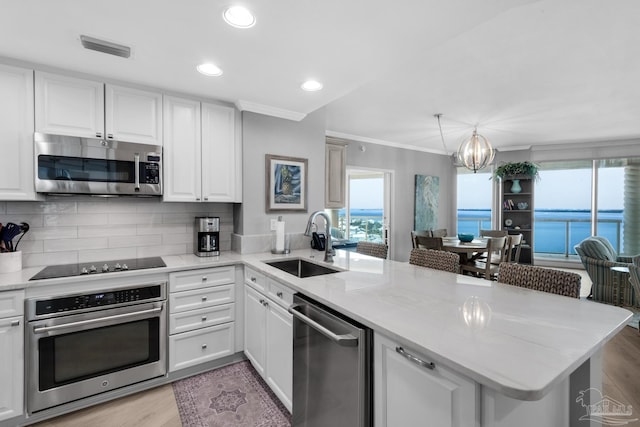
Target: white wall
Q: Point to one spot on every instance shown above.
(263, 135)
(66, 230)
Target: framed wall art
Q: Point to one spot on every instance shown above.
(286, 183)
(426, 202)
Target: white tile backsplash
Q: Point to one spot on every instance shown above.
(85, 229)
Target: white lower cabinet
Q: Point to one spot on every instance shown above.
(201, 316)
(409, 391)
(11, 354)
(268, 337)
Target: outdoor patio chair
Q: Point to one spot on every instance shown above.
(378, 250)
(598, 256)
(439, 260)
(540, 279)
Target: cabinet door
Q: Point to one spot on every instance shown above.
(182, 173)
(406, 392)
(255, 328)
(280, 352)
(11, 368)
(69, 106)
(133, 115)
(335, 175)
(221, 155)
(16, 134)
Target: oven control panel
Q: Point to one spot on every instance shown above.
(73, 303)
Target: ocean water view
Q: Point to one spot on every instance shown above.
(556, 232)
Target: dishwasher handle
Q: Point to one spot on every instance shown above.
(345, 340)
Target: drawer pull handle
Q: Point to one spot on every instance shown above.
(204, 318)
(204, 299)
(253, 279)
(204, 278)
(279, 294)
(15, 323)
(204, 346)
(414, 359)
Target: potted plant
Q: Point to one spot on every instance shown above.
(517, 169)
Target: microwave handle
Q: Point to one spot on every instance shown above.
(136, 161)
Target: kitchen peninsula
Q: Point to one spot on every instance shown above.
(502, 354)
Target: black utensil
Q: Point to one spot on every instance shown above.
(9, 232)
(24, 227)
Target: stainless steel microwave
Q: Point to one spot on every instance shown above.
(71, 165)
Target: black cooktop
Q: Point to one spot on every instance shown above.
(98, 267)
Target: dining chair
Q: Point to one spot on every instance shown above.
(484, 267)
(514, 241)
(426, 242)
(439, 232)
(421, 233)
(378, 250)
(540, 279)
(439, 260)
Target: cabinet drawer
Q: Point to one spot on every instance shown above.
(280, 293)
(199, 346)
(11, 303)
(201, 318)
(195, 279)
(201, 298)
(255, 279)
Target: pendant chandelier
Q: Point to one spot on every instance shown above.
(474, 153)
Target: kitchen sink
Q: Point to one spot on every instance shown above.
(301, 268)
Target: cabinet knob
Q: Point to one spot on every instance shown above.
(253, 279)
(15, 323)
(204, 318)
(204, 346)
(279, 294)
(266, 304)
(204, 299)
(204, 278)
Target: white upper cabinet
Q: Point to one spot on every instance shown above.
(221, 155)
(182, 150)
(69, 106)
(16, 134)
(133, 115)
(86, 108)
(202, 157)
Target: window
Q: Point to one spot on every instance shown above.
(474, 201)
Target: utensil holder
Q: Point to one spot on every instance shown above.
(10, 262)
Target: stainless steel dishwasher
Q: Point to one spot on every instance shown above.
(332, 380)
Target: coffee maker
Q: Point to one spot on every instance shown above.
(206, 236)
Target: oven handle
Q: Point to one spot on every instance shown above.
(44, 329)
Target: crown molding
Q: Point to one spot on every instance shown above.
(357, 138)
(269, 110)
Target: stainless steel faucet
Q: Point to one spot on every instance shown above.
(329, 252)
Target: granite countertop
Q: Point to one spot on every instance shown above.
(514, 340)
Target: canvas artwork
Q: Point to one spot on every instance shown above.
(426, 204)
(286, 183)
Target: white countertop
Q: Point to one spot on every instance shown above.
(514, 340)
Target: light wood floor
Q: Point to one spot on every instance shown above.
(157, 407)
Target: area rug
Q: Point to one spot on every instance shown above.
(234, 395)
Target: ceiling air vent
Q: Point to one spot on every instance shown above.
(105, 46)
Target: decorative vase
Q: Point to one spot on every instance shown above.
(515, 187)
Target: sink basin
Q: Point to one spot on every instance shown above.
(301, 268)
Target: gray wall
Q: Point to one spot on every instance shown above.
(269, 135)
(406, 164)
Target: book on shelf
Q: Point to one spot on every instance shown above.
(508, 205)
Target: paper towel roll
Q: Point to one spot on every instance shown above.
(280, 236)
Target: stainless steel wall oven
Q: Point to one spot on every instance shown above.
(83, 344)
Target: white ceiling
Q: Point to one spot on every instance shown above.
(524, 72)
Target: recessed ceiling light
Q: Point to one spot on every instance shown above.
(239, 17)
(311, 86)
(209, 70)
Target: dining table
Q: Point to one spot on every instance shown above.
(468, 251)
